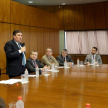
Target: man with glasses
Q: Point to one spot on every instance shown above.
(48, 59)
(64, 56)
(89, 58)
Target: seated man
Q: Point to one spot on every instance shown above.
(2, 103)
(89, 58)
(33, 61)
(48, 59)
(64, 56)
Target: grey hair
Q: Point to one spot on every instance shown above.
(50, 49)
(65, 50)
(34, 51)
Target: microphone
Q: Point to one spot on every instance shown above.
(23, 44)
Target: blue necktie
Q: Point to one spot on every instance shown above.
(22, 55)
(93, 56)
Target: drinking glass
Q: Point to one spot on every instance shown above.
(81, 62)
(12, 105)
(23, 77)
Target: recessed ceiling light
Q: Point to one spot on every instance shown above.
(63, 3)
(30, 1)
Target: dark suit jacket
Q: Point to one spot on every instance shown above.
(30, 66)
(60, 59)
(13, 59)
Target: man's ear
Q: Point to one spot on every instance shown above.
(13, 36)
(30, 55)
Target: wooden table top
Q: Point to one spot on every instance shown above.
(69, 88)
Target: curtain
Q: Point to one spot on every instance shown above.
(81, 42)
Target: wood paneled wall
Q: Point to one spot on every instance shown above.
(38, 26)
(86, 16)
(4, 10)
(82, 16)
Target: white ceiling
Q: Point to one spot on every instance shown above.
(57, 2)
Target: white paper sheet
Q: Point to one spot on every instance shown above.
(24, 82)
(60, 67)
(10, 81)
(50, 70)
(66, 67)
(46, 74)
(31, 75)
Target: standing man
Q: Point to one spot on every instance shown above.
(64, 56)
(15, 55)
(89, 58)
(32, 61)
(48, 59)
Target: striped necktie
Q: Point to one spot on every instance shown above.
(34, 63)
(23, 57)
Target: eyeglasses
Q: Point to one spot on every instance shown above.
(48, 51)
(64, 53)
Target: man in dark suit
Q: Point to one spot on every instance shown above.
(15, 55)
(32, 62)
(64, 56)
(89, 58)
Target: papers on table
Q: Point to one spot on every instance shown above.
(54, 70)
(94, 65)
(24, 82)
(97, 65)
(66, 67)
(81, 65)
(31, 75)
(46, 74)
(50, 70)
(60, 67)
(13, 81)
(90, 64)
(10, 81)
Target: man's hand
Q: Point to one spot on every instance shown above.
(23, 49)
(96, 63)
(46, 67)
(69, 63)
(87, 63)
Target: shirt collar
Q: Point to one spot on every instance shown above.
(94, 55)
(16, 42)
(48, 57)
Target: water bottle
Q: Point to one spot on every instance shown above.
(87, 105)
(37, 71)
(26, 75)
(52, 67)
(72, 64)
(19, 103)
(78, 62)
(65, 63)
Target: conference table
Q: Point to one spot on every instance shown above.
(71, 87)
